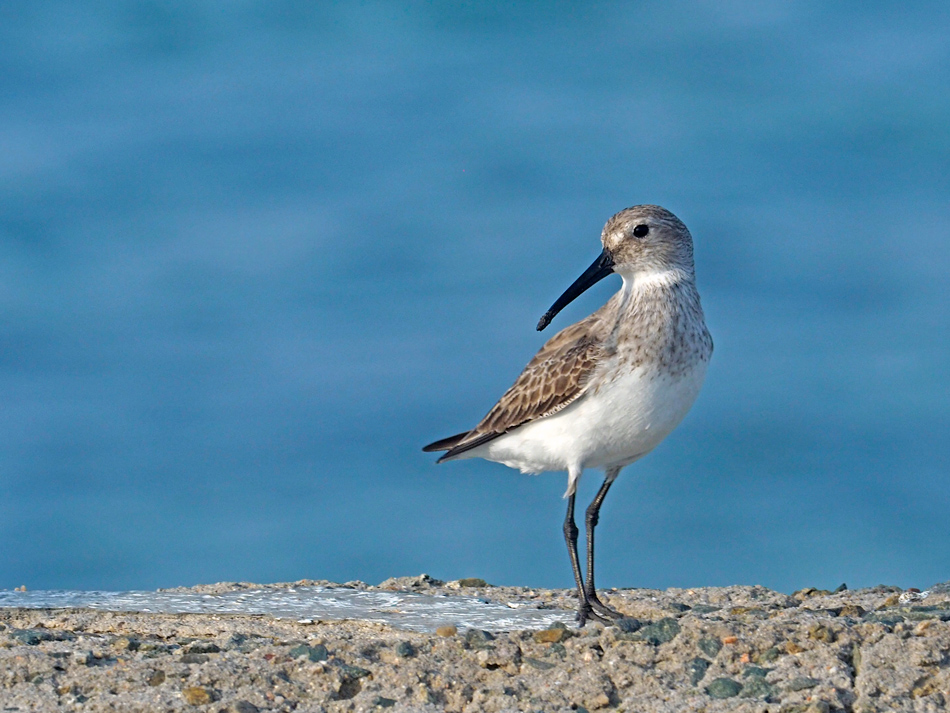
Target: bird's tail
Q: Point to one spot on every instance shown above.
(446, 444)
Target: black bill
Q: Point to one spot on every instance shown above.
(602, 266)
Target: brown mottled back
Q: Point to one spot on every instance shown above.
(556, 376)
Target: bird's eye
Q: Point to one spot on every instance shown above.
(641, 230)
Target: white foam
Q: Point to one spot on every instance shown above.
(404, 610)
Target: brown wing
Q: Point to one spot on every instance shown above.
(555, 377)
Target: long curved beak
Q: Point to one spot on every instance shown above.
(601, 267)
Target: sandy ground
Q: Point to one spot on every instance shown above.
(707, 649)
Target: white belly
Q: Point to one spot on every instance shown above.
(612, 425)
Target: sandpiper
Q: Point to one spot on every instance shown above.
(605, 391)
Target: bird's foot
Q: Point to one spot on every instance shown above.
(585, 613)
(601, 608)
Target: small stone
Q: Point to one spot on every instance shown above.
(446, 631)
(313, 653)
(660, 632)
(601, 700)
(768, 656)
(423, 581)
(841, 588)
(381, 702)
(478, 639)
(925, 687)
(697, 669)
(852, 610)
(472, 582)
(730, 640)
(203, 648)
(405, 649)
(31, 637)
(710, 646)
(156, 679)
(723, 688)
(628, 624)
(801, 683)
(194, 658)
(540, 665)
(505, 654)
(197, 695)
(350, 673)
(756, 687)
(124, 643)
(552, 635)
(244, 707)
(792, 647)
(820, 632)
(705, 609)
(892, 601)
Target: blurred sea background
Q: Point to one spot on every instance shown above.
(253, 256)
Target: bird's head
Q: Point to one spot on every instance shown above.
(647, 239)
(638, 241)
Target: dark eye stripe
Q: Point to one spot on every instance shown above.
(641, 230)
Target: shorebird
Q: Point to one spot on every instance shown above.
(605, 391)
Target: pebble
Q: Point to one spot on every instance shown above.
(477, 639)
(203, 648)
(820, 632)
(551, 636)
(801, 683)
(472, 582)
(446, 631)
(756, 687)
(697, 670)
(405, 649)
(350, 673)
(538, 664)
(660, 632)
(710, 646)
(723, 688)
(197, 695)
(243, 707)
(628, 624)
(194, 658)
(313, 653)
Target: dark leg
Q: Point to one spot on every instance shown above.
(584, 609)
(591, 520)
(570, 537)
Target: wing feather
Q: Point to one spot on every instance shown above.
(556, 377)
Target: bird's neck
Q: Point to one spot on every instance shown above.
(648, 304)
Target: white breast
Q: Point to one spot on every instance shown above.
(613, 425)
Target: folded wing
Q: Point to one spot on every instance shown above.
(556, 377)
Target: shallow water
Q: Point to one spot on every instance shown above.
(403, 610)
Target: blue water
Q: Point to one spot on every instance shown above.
(253, 258)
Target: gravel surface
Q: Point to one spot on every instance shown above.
(705, 649)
